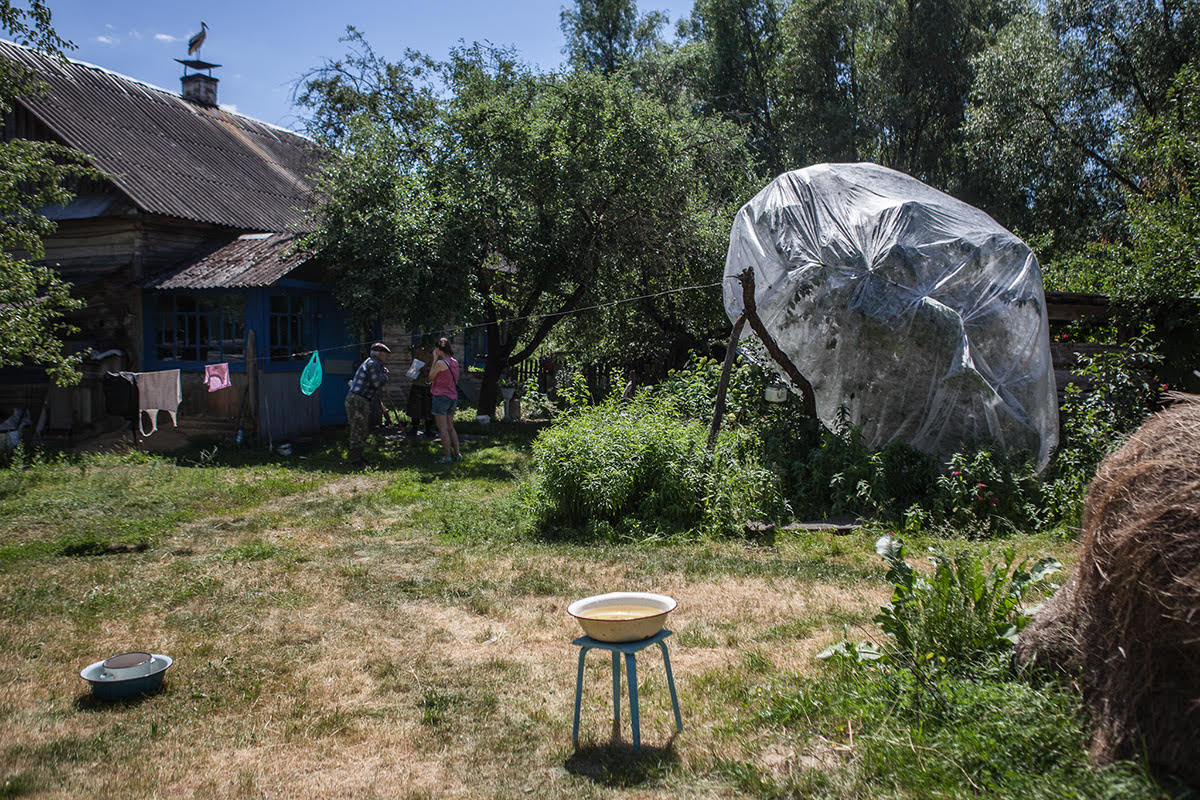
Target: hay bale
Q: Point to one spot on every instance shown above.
(1051, 641)
(1128, 622)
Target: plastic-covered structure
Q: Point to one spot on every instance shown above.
(917, 312)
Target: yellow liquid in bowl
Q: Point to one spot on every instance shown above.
(622, 612)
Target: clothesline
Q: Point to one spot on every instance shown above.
(465, 328)
(166, 384)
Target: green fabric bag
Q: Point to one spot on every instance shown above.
(310, 379)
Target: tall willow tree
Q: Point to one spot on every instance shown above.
(733, 49)
(1053, 97)
(606, 35)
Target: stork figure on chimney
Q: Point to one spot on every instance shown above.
(197, 41)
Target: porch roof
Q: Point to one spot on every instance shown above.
(253, 259)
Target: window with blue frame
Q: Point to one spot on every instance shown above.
(474, 346)
(288, 323)
(200, 327)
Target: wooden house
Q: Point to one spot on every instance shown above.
(185, 254)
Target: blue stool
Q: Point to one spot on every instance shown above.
(630, 649)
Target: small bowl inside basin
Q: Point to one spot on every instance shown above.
(622, 616)
(129, 665)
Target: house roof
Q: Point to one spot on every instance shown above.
(256, 259)
(173, 156)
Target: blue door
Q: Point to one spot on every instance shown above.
(334, 340)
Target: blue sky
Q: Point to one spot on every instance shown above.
(264, 45)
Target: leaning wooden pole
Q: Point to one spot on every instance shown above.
(730, 352)
(750, 312)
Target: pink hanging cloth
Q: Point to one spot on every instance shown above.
(216, 376)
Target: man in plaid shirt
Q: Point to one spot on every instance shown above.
(368, 381)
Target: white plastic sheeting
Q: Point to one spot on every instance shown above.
(917, 312)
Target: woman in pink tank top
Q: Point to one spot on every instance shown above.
(443, 385)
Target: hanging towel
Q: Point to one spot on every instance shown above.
(158, 391)
(121, 395)
(216, 376)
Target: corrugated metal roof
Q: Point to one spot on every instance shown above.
(252, 260)
(172, 156)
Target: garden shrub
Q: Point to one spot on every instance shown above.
(641, 469)
(986, 493)
(954, 620)
(842, 475)
(981, 492)
(834, 472)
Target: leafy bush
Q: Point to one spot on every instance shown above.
(1095, 421)
(640, 469)
(980, 492)
(954, 620)
(842, 475)
(988, 493)
(693, 392)
(835, 472)
(960, 615)
(938, 700)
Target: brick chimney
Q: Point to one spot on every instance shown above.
(200, 88)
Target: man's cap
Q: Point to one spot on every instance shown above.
(380, 346)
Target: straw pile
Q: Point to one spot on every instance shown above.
(1127, 624)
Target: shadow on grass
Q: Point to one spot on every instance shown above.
(616, 764)
(325, 452)
(91, 703)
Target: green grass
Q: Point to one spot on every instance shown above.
(324, 617)
(996, 736)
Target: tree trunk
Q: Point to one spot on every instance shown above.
(489, 388)
(493, 371)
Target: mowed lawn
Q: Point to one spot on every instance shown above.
(395, 633)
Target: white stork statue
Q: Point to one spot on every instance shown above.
(197, 41)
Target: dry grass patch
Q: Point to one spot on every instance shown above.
(332, 640)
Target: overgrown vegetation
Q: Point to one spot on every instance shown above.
(633, 463)
(641, 470)
(935, 703)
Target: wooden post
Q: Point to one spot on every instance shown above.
(730, 351)
(750, 311)
(252, 378)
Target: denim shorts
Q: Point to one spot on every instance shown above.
(443, 406)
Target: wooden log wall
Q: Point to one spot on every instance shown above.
(399, 339)
(1063, 308)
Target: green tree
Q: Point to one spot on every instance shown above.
(34, 301)
(605, 35)
(377, 228)
(733, 48)
(569, 190)
(523, 199)
(1051, 99)
(1148, 270)
(397, 95)
(821, 95)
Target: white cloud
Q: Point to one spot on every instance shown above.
(109, 26)
(106, 39)
(165, 37)
(134, 35)
(230, 107)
